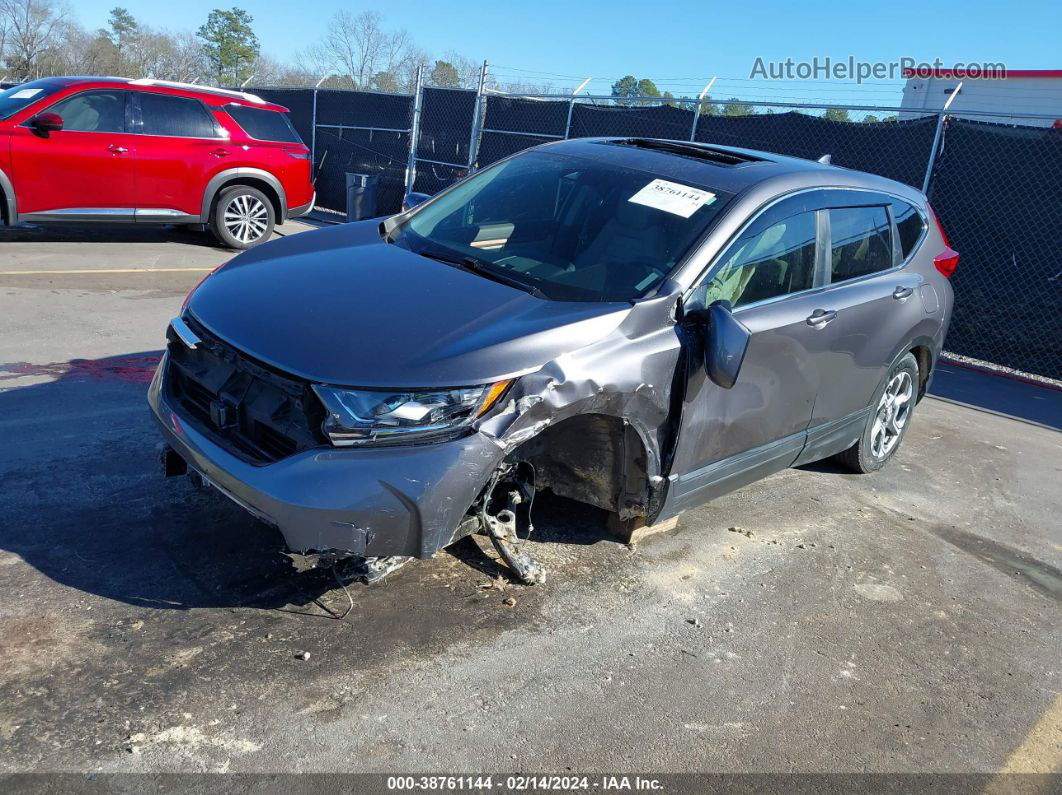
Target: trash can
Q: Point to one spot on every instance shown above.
(361, 196)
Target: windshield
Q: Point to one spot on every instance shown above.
(566, 228)
(15, 99)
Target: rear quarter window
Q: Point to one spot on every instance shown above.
(910, 224)
(264, 125)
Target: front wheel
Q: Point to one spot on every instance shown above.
(890, 416)
(243, 217)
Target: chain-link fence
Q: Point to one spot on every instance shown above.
(996, 187)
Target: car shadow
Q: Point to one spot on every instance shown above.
(86, 504)
(109, 233)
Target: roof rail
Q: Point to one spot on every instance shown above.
(147, 81)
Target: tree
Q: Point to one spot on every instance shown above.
(870, 118)
(627, 88)
(444, 75)
(123, 27)
(836, 114)
(33, 27)
(230, 44)
(733, 107)
(386, 82)
(358, 45)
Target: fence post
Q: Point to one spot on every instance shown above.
(697, 112)
(571, 107)
(477, 119)
(414, 131)
(933, 152)
(938, 137)
(313, 130)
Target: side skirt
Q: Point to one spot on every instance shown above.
(832, 437)
(718, 478)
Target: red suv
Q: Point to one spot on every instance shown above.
(76, 149)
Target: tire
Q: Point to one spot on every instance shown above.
(890, 417)
(243, 217)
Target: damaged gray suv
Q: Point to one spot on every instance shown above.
(641, 325)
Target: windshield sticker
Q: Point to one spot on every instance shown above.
(26, 93)
(671, 197)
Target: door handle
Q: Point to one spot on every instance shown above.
(220, 152)
(902, 293)
(118, 150)
(820, 317)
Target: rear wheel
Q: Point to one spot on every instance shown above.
(243, 217)
(890, 416)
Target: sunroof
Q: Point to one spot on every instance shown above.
(699, 151)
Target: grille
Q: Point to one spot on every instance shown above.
(251, 410)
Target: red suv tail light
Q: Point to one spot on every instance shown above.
(947, 260)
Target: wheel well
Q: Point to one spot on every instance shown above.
(925, 365)
(4, 207)
(592, 458)
(251, 182)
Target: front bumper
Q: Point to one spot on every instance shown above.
(368, 502)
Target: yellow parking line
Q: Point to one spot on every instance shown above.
(106, 270)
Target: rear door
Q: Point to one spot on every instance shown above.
(771, 274)
(84, 170)
(180, 146)
(873, 303)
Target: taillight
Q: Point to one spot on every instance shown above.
(947, 260)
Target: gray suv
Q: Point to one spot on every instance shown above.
(641, 325)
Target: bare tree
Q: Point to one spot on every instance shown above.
(357, 45)
(467, 69)
(32, 29)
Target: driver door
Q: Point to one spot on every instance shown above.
(772, 275)
(84, 170)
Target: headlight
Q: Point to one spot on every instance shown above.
(370, 416)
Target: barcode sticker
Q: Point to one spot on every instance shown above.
(26, 93)
(671, 197)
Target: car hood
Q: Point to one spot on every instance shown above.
(340, 306)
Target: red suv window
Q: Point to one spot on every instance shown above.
(264, 125)
(161, 114)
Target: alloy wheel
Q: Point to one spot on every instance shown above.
(894, 409)
(246, 218)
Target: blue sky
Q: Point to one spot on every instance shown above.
(679, 43)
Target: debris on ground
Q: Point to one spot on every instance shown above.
(302, 655)
(694, 622)
(741, 531)
(509, 601)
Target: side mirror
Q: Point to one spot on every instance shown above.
(725, 342)
(411, 200)
(45, 123)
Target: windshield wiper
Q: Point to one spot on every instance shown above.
(484, 269)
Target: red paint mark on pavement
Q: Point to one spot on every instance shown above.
(133, 369)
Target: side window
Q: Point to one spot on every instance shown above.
(860, 242)
(910, 224)
(264, 125)
(175, 116)
(92, 111)
(759, 265)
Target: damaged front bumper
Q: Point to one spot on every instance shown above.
(386, 501)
